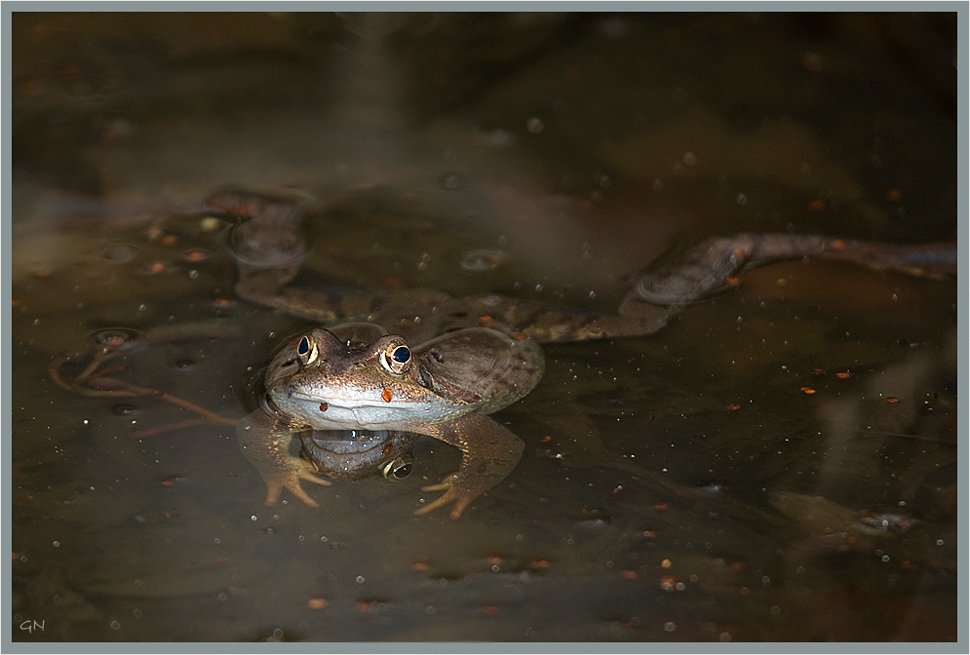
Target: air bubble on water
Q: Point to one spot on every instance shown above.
(119, 339)
(119, 253)
(534, 125)
(481, 261)
(450, 181)
(742, 199)
(689, 158)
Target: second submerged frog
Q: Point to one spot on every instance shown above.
(466, 358)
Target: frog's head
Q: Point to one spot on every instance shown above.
(326, 383)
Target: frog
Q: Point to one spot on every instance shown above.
(360, 377)
(419, 364)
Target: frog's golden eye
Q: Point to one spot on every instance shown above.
(396, 358)
(307, 351)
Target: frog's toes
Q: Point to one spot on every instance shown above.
(452, 495)
(290, 480)
(444, 485)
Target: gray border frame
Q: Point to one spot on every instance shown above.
(6, 374)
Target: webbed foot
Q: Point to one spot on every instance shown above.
(489, 453)
(265, 442)
(452, 494)
(288, 476)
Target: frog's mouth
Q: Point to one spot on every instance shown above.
(362, 412)
(359, 402)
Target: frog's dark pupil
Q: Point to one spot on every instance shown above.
(402, 471)
(401, 355)
(304, 347)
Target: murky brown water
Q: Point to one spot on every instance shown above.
(815, 402)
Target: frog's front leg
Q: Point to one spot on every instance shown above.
(265, 442)
(489, 453)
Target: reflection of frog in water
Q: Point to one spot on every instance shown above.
(469, 356)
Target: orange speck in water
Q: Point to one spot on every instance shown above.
(661, 506)
(629, 574)
(650, 534)
(521, 336)
(484, 318)
(222, 302)
(842, 375)
(387, 395)
(32, 88)
(14, 555)
(195, 255)
(808, 390)
(156, 267)
(737, 566)
(392, 282)
(732, 280)
(892, 400)
(490, 609)
(668, 582)
(733, 407)
(420, 566)
(539, 564)
(816, 206)
(167, 483)
(494, 560)
(364, 606)
(216, 39)
(666, 564)
(169, 240)
(547, 439)
(894, 195)
(316, 603)
(14, 302)
(838, 244)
